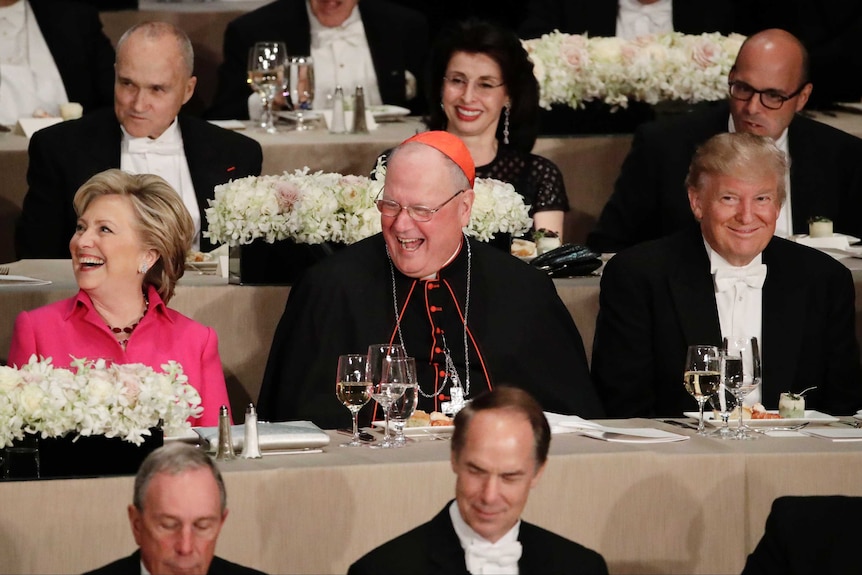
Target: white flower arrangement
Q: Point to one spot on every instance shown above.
(327, 207)
(94, 398)
(574, 69)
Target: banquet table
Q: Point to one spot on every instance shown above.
(695, 506)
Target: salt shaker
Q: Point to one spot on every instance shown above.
(359, 126)
(251, 447)
(225, 444)
(337, 125)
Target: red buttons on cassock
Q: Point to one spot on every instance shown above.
(441, 373)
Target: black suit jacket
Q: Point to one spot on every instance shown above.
(434, 548)
(599, 17)
(807, 536)
(397, 38)
(650, 199)
(83, 54)
(64, 156)
(658, 298)
(131, 565)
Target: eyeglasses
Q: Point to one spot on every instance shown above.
(391, 208)
(482, 86)
(769, 98)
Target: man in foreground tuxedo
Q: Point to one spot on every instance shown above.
(729, 277)
(768, 86)
(829, 547)
(52, 52)
(142, 134)
(178, 510)
(373, 43)
(499, 451)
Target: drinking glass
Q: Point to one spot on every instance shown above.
(748, 367)
(723, 400)
(701, 376)
(402, 370)
(353, 389)
(379, 356)
(266, 62)
(300, 85)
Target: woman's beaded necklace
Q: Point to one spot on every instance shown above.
(123, 333)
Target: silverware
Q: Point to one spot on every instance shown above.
(780, 428)
(679, 423)
(4, 270)
(856, 424)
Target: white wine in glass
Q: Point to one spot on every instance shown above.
(702, 376)
(353, 389)
(266, 62)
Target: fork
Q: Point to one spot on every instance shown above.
(4, 270)
(780, 428)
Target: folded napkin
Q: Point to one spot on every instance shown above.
(574, 424)
(835, 433)
(271, 436)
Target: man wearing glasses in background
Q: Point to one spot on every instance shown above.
(768, 86)
(465, 310)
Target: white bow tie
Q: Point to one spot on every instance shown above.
(753, 276)
(148, 146)
(352, 34)
(483, 559)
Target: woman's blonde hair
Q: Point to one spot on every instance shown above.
(163, 222)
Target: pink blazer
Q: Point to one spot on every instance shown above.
(72, 327)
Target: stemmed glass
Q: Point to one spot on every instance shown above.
(353, 389)
(402, 370)
(723, 400)
(266, 62)
(379, 355)
(300, 75)
(747, 365)
(702, 376)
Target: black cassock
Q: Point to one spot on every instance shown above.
(519, 333)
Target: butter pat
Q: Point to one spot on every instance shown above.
(791, 405)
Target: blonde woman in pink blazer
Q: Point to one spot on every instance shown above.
(128, 252)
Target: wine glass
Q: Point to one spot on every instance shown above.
(353, 389)
(300, 85)
(379, 355)
(702, 376)
(402, 370)
(747, 365)
(266, 62)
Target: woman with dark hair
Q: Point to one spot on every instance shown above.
(482, 89)
(128, 252)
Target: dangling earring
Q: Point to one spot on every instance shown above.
(143, 269)
(506, 124)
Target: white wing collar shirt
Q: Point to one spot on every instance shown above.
(29, 78)
(635, 19)
(784, 225)
(482, 556)
(163, 156)
(739, 298)
(342, 58)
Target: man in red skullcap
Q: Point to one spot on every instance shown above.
(472, 316)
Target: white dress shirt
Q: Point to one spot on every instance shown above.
(784, 225)
(635, 19)
(342, 58)
(29, 78)
(164, 156)
(740, 306)
(482, 556)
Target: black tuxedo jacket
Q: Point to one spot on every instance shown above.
(83, 54)
(599, 17)
(650, 199)
(397, 38)
(434, 548)
(64, 156)
(131, 565)
(658, 298)
(808, 535)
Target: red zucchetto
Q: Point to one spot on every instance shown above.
(450, 146)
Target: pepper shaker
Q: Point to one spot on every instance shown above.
(225, 444)
(359, 125)
(251, 447)
(338, 125)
